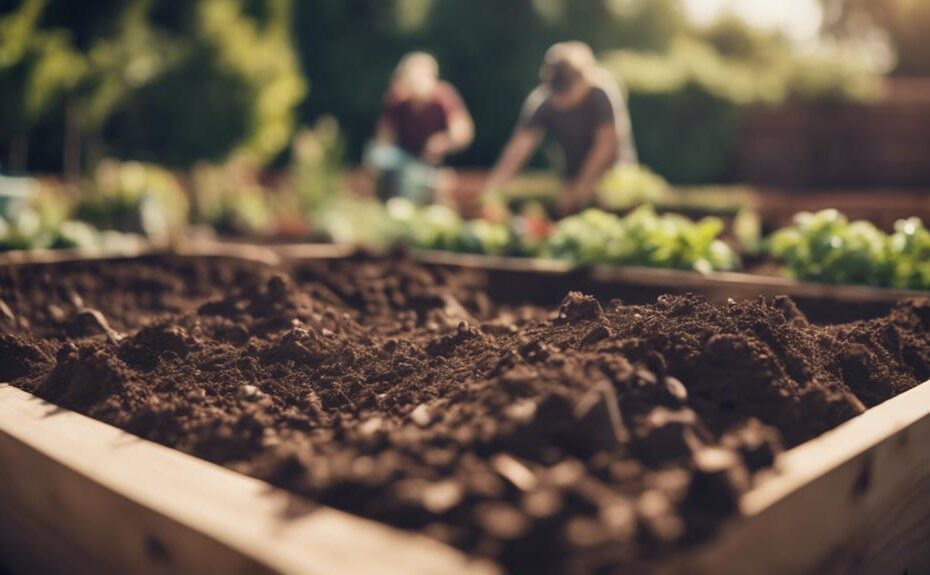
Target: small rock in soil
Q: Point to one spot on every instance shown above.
(420, 415)
(577, 306)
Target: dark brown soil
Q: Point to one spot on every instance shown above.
(581, 439)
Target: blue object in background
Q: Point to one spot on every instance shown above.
(400, 174)
(15, 193)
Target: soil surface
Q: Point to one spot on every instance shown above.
(587, 438)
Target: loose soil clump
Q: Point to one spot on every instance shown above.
(581, 439)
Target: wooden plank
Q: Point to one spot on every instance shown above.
(314, 251)
(96, 496)
(736, 283)
(198, 249)
(295, 250)
(70, 255)
(857, 494)
(501, 263)
(251, 252)
(856, 499)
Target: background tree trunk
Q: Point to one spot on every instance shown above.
(18, 154)
(71, 161)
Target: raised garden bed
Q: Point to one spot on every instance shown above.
(82, 496)
(545, 281)
(577, 438)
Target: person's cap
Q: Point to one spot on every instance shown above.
(417, 63)
(566, 62)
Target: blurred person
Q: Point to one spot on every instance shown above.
(422, 121)
(583, 107)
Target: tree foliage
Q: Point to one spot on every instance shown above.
(150, 79)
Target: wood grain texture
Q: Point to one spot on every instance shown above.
(732, 284)
(82, 496)
(48, 256)
(501, 263)
(739, 284)
(197, 248)
(314, 251)
(250, 252)
(855, 500)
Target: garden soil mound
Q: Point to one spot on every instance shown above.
(581, 439)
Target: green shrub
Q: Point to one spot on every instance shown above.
(231, 87)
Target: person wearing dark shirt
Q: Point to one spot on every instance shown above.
(583, 108)
(422, 121)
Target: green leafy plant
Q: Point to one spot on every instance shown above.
(133, 197)
(37, 218)
(593, 237)
(484, 237)
(23, 231)
(74, 234)
(641, 238)
(318, 164)
(28, 229)
(230, 199)
(631, 185)
(827, 247)
(439, 227)
(529, 229)
(910, 251)
(431, 227)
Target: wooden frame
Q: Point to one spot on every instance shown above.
(721, 284)
(854, 500)
(83, 496)
(245, 252)
(79, 495)
(743, 284)
(733, 284)
(15, 257)
(278, 251)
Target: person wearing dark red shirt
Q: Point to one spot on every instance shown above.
(423, 120)
(582, 106)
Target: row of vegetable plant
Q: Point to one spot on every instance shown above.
(824, 246)
(126, 202)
